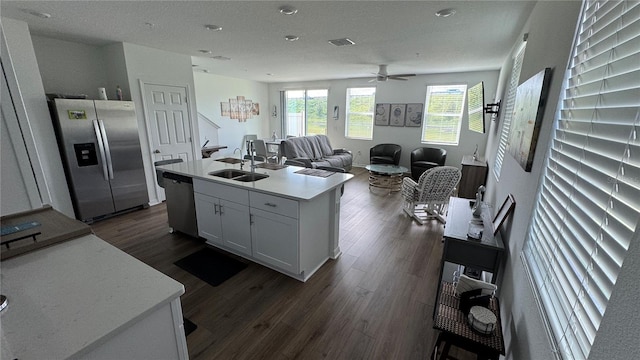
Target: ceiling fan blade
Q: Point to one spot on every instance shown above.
(403, 75)
(395, 77)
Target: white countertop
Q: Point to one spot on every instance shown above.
(67, 299)
(284, 182)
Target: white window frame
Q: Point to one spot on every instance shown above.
(303, 120)
(587, 210)
(348, 113)
(458, 116)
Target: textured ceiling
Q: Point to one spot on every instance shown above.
(406, 35)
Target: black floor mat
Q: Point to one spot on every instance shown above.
(211, 266)
(189, 327)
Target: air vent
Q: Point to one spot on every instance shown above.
(341, 42)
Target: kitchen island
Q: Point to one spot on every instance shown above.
(288, 221)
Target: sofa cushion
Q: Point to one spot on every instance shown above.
(325, 145)
(297, 147)
(315, 147)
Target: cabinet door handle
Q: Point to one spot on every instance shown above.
(251, 219)
(221, 209)
(215, 209)
(271, 204)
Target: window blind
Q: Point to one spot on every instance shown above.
(508, 110)
(589, 199)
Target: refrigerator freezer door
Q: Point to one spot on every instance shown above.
(90, 191)
(120, 130)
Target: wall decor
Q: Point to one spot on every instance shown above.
(527, 118)
(225, 109)
(382, 114)
(414, 115)
(397, 114)
(240, 109)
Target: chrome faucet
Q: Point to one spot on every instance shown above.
(241, 159)
(251, 151)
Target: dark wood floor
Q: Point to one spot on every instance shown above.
(374, 302)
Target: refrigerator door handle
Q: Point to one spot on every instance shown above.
(96, 128)
(106, 149)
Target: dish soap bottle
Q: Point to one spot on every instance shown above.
(118, 92)
(274, 136)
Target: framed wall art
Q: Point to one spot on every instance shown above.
(414, 115)
(382, 114)
(397, 114)
(527, 118)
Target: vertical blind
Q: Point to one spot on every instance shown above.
(589, 198)
(508, 110)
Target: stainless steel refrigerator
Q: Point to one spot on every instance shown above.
(100, 147)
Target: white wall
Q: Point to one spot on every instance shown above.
(43, 153)
(165, 68)
(211, 90)
(551, 27)
(411, 91)
(69, 67)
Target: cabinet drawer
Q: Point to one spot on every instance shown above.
(274, 204)
(229, 193)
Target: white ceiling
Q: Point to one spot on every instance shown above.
(406, 35)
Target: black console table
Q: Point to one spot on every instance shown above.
(484, 254)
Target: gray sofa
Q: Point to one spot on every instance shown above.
(315, 151)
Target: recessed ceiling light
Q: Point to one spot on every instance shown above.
(445, 12)
(341, 42)
(213, 27)
(288, 10)
(221, 58)
(291, 38)
(149, 25)
(40, 14)
(204, 51)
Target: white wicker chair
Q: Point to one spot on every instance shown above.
(429, 197)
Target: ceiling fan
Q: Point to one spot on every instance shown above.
(382, 75)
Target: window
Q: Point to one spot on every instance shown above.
(508, 110)
(306, 112)
(443, 117)
(360, 108)
(588, 202)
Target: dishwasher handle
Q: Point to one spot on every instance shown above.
(177, 177)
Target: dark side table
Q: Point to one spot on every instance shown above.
(455, 330)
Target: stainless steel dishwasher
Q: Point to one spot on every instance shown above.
(181, 207)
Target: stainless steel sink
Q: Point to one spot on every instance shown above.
(271, 166)
(229, 160)
(229, 173)
(238, 175)
(251, 177)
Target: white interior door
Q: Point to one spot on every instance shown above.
(169, 124)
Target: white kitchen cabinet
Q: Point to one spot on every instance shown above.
(236, 230)
(223, 222)
(209, 224)
(275, 240)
